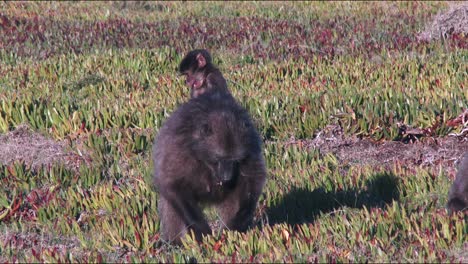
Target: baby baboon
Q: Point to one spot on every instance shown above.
(207, 152)
(458, 195)
(201, 74)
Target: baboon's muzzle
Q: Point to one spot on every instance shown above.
(225, 170)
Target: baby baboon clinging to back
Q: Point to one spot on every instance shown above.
(207, 152)
(202, 76)
(458, 195)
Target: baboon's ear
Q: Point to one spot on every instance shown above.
(201, 60)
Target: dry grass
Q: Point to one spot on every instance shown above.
(452, 21)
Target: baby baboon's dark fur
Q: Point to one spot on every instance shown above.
(458, 195)
(207, 152)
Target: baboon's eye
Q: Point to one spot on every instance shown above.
(205, 130)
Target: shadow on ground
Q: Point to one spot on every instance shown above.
(303, 206)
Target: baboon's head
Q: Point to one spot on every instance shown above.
(221, 141)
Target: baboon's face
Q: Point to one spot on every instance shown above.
(220, 143)
(194, 80)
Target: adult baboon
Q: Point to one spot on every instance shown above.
(207, 152)
(201, 74)
(458, 195)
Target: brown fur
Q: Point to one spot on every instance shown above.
(207, 152)
(458, 195)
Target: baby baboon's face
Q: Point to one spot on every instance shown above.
(221, 142)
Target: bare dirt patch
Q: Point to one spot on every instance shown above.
(36, 150)
(425, 152)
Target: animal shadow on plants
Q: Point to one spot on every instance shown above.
(303, 206)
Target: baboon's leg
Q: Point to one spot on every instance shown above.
(238, 209)
(172, 226)
(186, 210)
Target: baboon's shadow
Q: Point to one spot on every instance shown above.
(303, 206)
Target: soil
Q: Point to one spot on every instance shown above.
(36, 150)
(423, 152)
